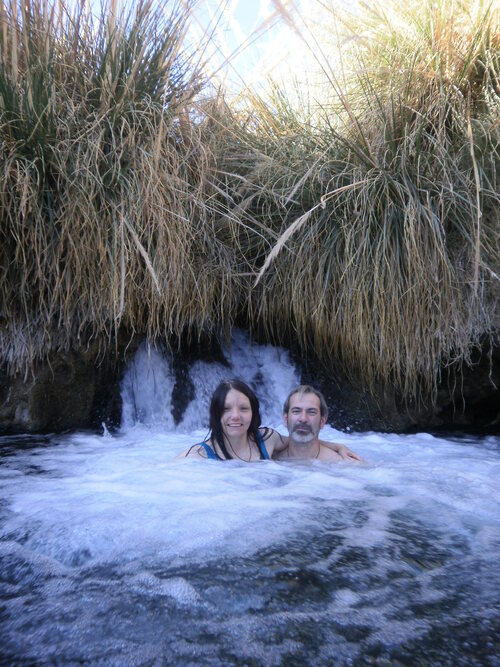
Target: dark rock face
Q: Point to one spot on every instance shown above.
(82, 390)
(475, 395)
(468, 400)
(72, 390)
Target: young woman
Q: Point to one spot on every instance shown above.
(235, 431)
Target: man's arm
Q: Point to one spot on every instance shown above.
(274, 441)
(344, 452)
(280, 443)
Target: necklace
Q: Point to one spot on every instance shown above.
(240, 457)
(312, 457)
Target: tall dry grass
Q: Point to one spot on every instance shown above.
(363, 224)
(385, 194)
(106, 208)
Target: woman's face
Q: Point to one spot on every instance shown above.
(236, 415)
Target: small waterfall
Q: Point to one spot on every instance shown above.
(147, 389)
(149, 383)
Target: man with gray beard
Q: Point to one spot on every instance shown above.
(305, 413)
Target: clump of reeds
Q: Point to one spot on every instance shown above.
(364, 225)
(386, 197)
(105, 204)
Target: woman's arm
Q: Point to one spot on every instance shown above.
(195, 452)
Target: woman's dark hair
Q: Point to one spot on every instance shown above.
(217, 409)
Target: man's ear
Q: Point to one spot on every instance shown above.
(285, 419)
(322, 422)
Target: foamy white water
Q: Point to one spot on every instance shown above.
(112, 552)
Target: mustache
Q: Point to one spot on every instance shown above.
(302, 427)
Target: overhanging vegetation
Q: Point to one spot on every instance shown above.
(363, 224)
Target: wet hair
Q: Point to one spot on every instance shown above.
(217, 410)
(307, 389)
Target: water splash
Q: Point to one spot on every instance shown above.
(149, 382)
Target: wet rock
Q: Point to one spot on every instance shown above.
(76, 390)
(468, 399)
(70, 390)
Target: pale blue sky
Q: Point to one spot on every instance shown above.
(250, 36)
(250, 39)
(258, 39)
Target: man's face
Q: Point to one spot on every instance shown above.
(304, 420)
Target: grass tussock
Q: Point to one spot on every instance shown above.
(362, 222)
(385, 194)
(106, 216)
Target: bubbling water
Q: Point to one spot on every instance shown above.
(113, 552)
